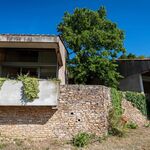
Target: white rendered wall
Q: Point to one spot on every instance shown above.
(11, 94)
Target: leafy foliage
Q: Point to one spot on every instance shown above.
(138, 100)
(94, 42)
(30, 87)
(131, 56)
(81, 139)
(116, 126)
(116, 97)
(131, 125)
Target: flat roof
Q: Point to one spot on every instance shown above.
(33, 41)
(28, 38)
(136, 59)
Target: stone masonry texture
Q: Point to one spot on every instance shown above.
(81, 108)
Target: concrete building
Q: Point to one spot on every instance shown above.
(42, 56)
(136, 73)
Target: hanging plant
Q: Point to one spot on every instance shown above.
(30, 87)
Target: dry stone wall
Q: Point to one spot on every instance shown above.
(133, 114)
(81, 108)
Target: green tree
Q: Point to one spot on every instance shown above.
(95, 42)
(131, 56)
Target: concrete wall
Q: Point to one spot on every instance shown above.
(130, 67)
(132, 83)
(62, 72)
(80, 108)
(48, 94)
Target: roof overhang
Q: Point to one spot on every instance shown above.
(33, 41)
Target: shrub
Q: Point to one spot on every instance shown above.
(115, 114)
(116, 127)
(81, 139)
(138, 100)
(30, 87)
(116, 131)
(131, 125)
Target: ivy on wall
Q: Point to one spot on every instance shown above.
(116, 97)
(30, 87)
(115, 114)
(138, 100)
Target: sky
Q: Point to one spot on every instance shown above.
(43, 16)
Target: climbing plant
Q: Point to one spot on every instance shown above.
(115, 114)
(30, 87)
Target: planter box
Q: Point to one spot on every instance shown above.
(11, 94)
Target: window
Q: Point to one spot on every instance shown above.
(21, 56)
(35, 62)
(48, 72)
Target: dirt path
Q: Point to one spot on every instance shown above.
(138, 139)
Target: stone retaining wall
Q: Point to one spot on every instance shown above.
(81, 108)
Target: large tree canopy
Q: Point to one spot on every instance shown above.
(95, 42)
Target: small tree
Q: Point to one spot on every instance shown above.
(95, 43)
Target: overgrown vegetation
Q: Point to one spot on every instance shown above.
(81, 139)
(131, 125)
(2, 80)
(131, 56)
(138, 100)
(30, 87)
(116, 126)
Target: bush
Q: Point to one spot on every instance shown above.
(138, 100)
(116, 127)
(116, 131)
(131, 125)
(81, 139)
